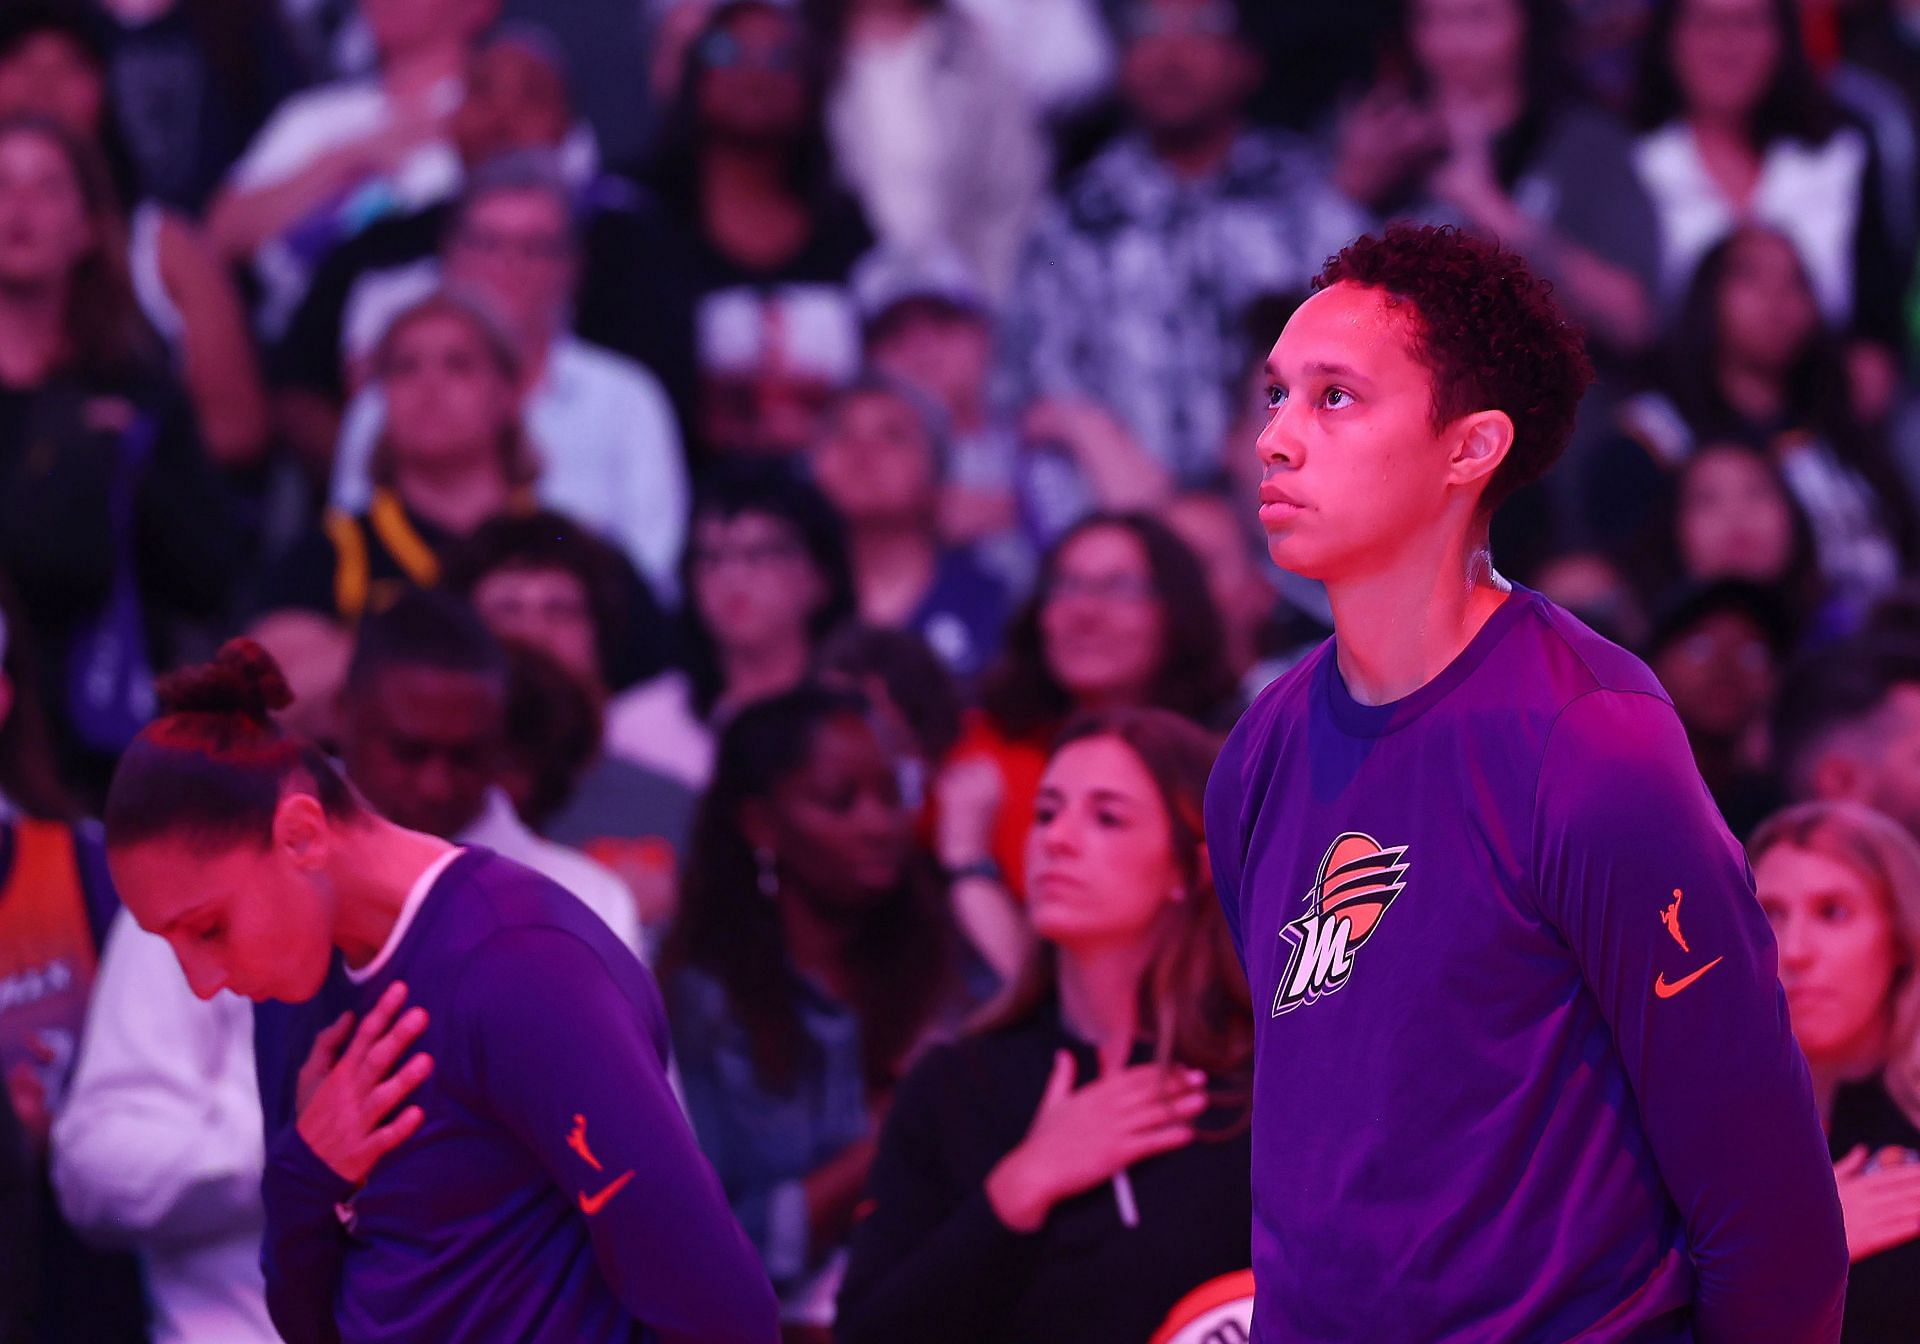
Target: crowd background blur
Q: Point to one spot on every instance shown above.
(712, 450)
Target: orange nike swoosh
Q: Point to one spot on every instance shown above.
(1667, 991)
(592, 1204)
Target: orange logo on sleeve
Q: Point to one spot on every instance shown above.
(1662, 987)
(577, 1140)
(1671, 918)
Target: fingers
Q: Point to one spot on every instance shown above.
(1153, 1142)
(383, 1098)
(386, 1051)
(1060, 1081)
(378, 1019)
(391, 1135)
(326, 1046)
(1852, 1163)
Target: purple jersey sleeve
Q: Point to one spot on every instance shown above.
(568, 1065)
(304, 1242)
(1634, 867)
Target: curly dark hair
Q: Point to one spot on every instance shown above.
(1488, 330)
(1023, 697)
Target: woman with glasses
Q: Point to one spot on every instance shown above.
(1122, 617)
(766, 579)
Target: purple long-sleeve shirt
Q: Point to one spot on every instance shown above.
(1523, 1067)
(554, 1191)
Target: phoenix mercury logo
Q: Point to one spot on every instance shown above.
(1357, 881)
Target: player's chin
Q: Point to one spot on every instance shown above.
(1297, 554)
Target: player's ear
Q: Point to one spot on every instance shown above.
(1481, 442)
(301, 831)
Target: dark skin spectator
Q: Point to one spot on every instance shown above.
(49, 68)
(116, 533)
(814, 953)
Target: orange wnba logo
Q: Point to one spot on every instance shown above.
(1357, 881)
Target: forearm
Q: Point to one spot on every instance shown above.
(304, 1246)
(243, 218)
(222, 369)
(138, 1170)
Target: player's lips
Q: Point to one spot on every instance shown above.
(1276, 505)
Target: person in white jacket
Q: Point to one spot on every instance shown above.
(159, 1144)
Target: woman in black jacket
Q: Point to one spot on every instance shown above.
(1077, 1168)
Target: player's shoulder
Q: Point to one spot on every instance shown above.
(1562, 660)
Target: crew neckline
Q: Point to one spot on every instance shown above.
(1363, 720)
(416, 897)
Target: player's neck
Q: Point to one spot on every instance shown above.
(372, 875)
(1396, 628)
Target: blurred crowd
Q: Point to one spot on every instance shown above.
(710, 451)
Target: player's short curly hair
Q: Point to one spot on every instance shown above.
(1487, 328)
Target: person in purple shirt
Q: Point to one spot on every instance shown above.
(1522, 1067)
(502, 1160)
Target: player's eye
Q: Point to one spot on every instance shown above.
(1275, 395)
(1109, 819)
(1044, 813)
(1335, 397)
(213, 933)
(1835, 912)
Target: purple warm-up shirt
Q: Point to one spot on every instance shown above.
(554, 1191)
(1523, 1069)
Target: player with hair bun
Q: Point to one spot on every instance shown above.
(487, 1147)
(1522, 1066)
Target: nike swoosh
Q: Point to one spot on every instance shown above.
(1667, 991)
(592, 1204)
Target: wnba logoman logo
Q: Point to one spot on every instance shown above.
(1357, 881)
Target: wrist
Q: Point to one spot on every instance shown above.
(975, 865)
(1015, 1195)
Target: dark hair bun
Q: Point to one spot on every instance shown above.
(243, 680)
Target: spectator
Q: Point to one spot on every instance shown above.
(1060, 50)
(193, 81)
(609, 446)
(1751, 362)
(934, 130)
(114, 531)
(160, 1145)
(914, 700)
(1127, 1192)
(53, 65)
(1841, 886)
(879, 464)
(335, 157)
(813, 956)
(1846, 727)
(1134, 279)
(1717, 650)
(543, 582)
(515, 100)
(56, 902)
(1736, 127)
(1122, 617)
(770, 239)
(766, 578)
(1728, 513)
(452, 456)
(1479, 122)
(422, 736)
(1593, 587)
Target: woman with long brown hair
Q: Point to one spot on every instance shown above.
(1076, 1169)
